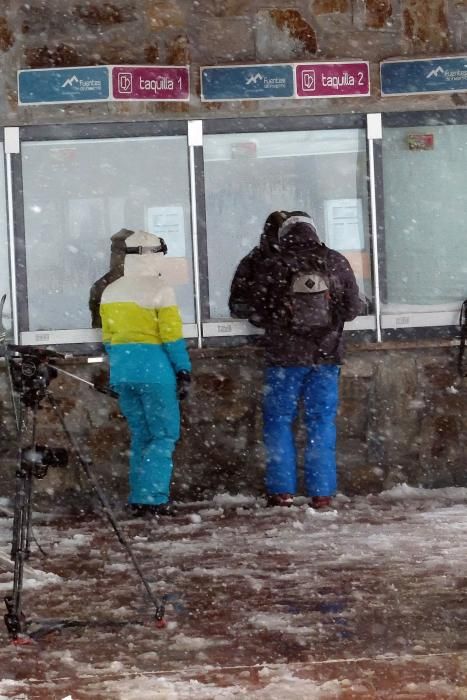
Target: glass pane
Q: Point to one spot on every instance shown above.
(250, 175)
(425, 213)
(77, 194)
(4, 250)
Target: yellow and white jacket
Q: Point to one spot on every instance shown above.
(142, 329)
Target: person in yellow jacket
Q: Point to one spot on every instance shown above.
(150, 368)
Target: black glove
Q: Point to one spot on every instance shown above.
(183, 384)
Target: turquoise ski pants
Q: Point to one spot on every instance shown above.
(153, 415)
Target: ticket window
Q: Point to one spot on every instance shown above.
(77, 194)
(249, 175)
(425, 209)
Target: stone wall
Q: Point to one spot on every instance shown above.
(402, 418)
(58, 33)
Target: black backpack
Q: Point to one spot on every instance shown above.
(304, 305)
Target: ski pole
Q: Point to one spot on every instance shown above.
(93, 385)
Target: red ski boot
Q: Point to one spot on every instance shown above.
(280, 499)
(321, 502)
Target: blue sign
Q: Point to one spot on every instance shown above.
(424, 76)
(255, 82)
(52, 85)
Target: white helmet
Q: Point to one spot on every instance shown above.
(142, 243)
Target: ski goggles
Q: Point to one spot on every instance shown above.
(142, 249)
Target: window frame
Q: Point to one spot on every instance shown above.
(412, 325)
(363, 327)
(6, 193)
(82, 340)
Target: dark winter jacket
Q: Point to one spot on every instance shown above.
(283, 347)
(249, 287)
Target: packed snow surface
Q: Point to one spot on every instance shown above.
(367, 600)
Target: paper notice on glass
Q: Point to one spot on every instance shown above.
(169, 224)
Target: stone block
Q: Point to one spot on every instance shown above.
(366, 44)
(224, 40)
(8, 99)
(352, 418)
(441, 452)
(44, 19)
(394, 408)
(151, 53)
(354, 475)
(321, 7)
(54, 21)
(6, 35)
(457, 21)
(360, 367)
(378, 13)
(283, 35)
(436, 375)
(178, 51)
(62, 55)
(165, 14)
(106, 14)
(125, 110)
(109, 446)
(222, 8)
(124, 51)
(425, 25)
(231, 109)
(332, 24)
(166, 108)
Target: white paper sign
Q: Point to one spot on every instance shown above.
(168, 223)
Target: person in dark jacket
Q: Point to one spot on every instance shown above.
(303, 362)
(250, 282)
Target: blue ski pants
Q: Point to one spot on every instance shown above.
(318, 386)
(153, 415)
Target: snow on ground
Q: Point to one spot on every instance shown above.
(365, 601)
